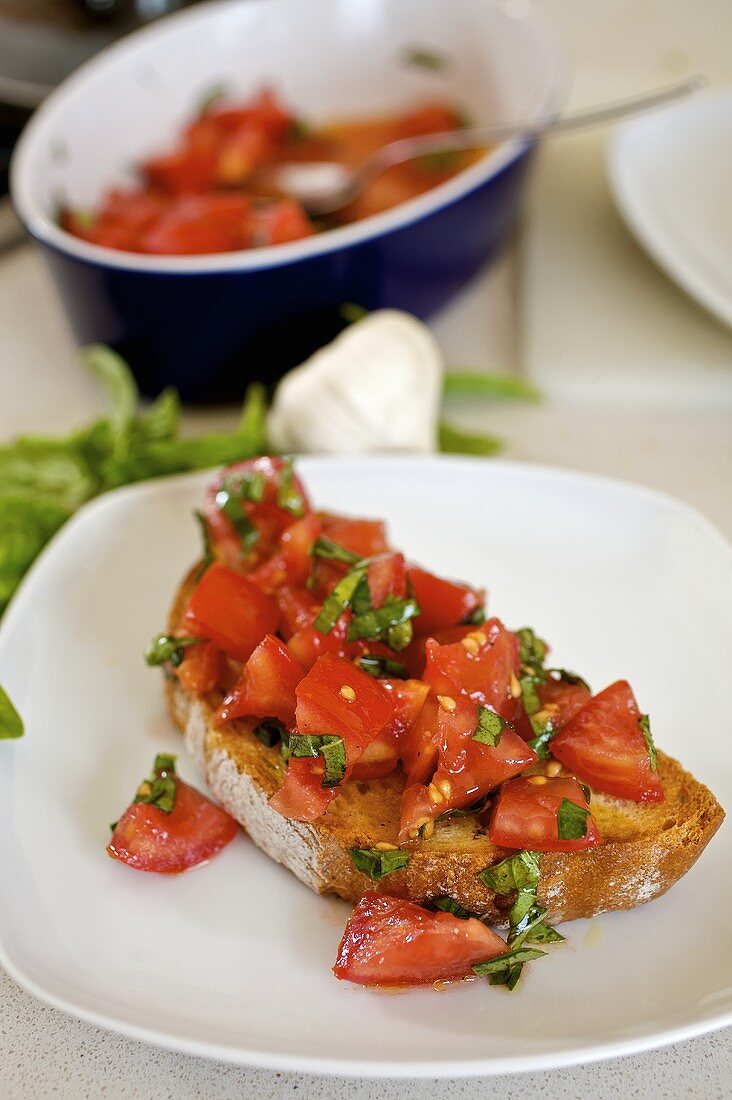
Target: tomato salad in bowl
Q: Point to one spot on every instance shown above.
(342, 667)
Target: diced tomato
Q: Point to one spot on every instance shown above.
(199, 224)
(148, 839)
(280, 222)
(269, 517)
(291, 561)
(467, 769)
(484, 664)
(381, 756)
(298, 608)
(267, 685)
(389, 941)
(386, 576)
(265, 110)
(413, 657)
(202, 668)
(188, 171)
(604, 746)
(302, 796)
(525, 815)
(443, 603)
(559, 700)
(241, 153)
(308, 644)
(418, 748)
(366, 537)
(339, 699)
(230, 611)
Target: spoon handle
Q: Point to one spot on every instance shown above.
(475, 136)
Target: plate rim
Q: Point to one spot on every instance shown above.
(581, 1052)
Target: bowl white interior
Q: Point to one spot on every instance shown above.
(325, 57)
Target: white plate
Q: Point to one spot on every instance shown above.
(233, 961)
(671, 174)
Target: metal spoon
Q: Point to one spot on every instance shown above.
(325, 186)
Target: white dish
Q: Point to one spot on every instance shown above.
(671, 175)
(233, 961)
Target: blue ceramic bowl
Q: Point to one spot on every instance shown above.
(208, 324)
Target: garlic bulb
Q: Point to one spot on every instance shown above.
(376, 387)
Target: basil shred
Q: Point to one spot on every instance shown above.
(571, 820)
(330, 747)
(644, 725)
(166, 648)
(532, 655)
(270, 732)
(378, 864)
(159, 789)
(490, 727)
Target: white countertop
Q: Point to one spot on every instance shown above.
(640, 410)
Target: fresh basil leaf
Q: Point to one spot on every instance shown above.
(571, 820)
(165, 648)
(26, 525)
(270, 732)
(330, 747)
(159, 790)
(532, 928)
(289, 496)
(338, 600)
(178, 456)
(449, 905)
(466, 383)
(229, 499)
(329, 550)
(207, 556)
(46, 469)
(424, 58)
(361, 602)
(529, 693)
(502, 962)
(453, 440)
(489, 730)
(644, 724)
(475, 618)
(117, 379)
(11, 724)
(252, 431)
(543, 933)
(159, 423)
(384, 622)
(378, 666)
(544, 730)
(377, 864)
(512, 873)
(532, 650)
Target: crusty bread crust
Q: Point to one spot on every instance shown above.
(647, 847)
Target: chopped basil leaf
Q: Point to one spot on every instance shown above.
(512, 873)
(289, 496)
(543, 933)
(205, 538)
(11, 724)
(490, 727)
(449, 905)
(567, 677)
(475, 618)
(338, 600)
(330, 747)
(529, 693)
(361, 602)
(378, 864)
(391, 622)
(165, 647)
(532, 650)
(424, 58)
(270, 732)
(378, 666)
(503, 962)
(571, 820)
(230, 500)
(544, 729)
(644, 724)
(159, 790)
(326, 548)
(587, 792)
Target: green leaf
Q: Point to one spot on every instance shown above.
(378, 666)
(330, 747)
(475, 618)
(166, 648)
(26, 525)
(529, 693)
(490, 727)
(338, 600)
(644, 724)
(159, 790)
(454, 440)
(512, 873)
(207, 554)
(380, 623)
(289, 496)
(378, 864)
(544, 731)
(571, 820)
(329, 550)
(468, 383)
(177, 456)
(532, 650)
(159, 423)
(502, 962)
(11, 724)
(449, 905)
(270, 732)
(424, 58)
(230, 500)
(252, 433)
(48, 469)
(117, 379)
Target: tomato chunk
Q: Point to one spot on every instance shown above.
(202, 668)
(387, 576)
(302, 796)
(526, 816)
(291, 561)
(366, 537)
(604, 746)
(298, 608)
(389, 941)
(559, 701)
(149, 839)
(381, 755)
(230, 611)
(308, 644)
(484, 664)
(267, 685)
(443, 603)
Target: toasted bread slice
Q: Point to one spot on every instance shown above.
(648, 847)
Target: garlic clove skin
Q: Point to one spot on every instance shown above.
(376, 387)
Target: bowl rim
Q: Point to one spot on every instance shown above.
(41, 226)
